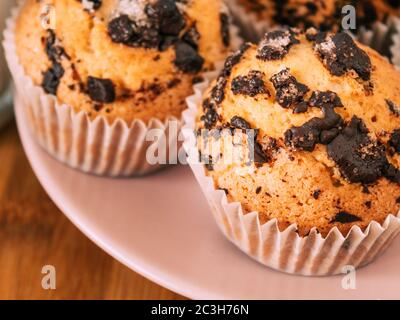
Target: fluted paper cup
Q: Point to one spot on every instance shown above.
(284, 250)
(249, 23)
(91, 145)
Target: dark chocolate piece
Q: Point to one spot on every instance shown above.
(101, 90)
(187, 58)
(345, 217)
(52, 78)
(393, 107)
(225, 29)
(317, 130)
(340, 54)
(249, 85)
(359, 158)
(394, 141)
(289, 91)
(276, 44)
(240, 123)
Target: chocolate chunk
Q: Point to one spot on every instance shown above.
(187, 59)
(276, 44)
(288, 90)
(218, 91)
(53, 51)
(300, 107)
(101, 90)
(359, 158)
(234, 59)
(166, 15)
(345, 217)
(394, 141)
(210, 116)
(240, 123)
(316, 194)
(392, 173)
(122, 30)
(258, 190)
(225, 29)
(368, 204)
(249, 85)
(393, 108)
(317, 130)
(52, 78)
(341, 54)
(259, 156)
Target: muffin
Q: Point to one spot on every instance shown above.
(304, 131)
(325, 15)
(124, 61)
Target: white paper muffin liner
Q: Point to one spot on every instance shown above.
(384, 38)
(285, 251)
(251, 27)
(91, 145)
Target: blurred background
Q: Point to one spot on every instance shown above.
(34, 233)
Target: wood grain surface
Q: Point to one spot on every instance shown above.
(34, 233)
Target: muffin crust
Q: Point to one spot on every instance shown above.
(324, 111)
(129, 59)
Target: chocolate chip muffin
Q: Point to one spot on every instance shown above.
(305, 128)
(323, 14)
(122, 59)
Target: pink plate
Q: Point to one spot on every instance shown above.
(161, 227)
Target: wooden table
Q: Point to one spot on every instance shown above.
(34, 233)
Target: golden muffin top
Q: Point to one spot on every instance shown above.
(325, 116)
(122, 58)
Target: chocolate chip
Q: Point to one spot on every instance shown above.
(398, 200)
(316, 194)
(225, 190)
(393, 108)
(187, 59)
(218, 91)
(392, 173)
(359, 158)
(240, 123)
(317, 130)
(167, 16)
(101, 90)
(53, 51)
(258, 190)
(288, 90)
(365, 189)
(394, 141)
(234, 59)
(122, 29)
(345, 217)
(225, 29)
(276, 44)
(341, 54)
(52, 78)
(210, 116)
(249, 85)
(368, 204)
(300, 107)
